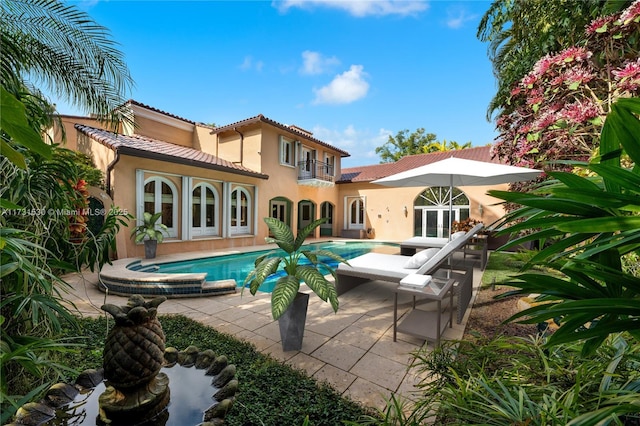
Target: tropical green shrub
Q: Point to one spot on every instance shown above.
(592, 221)
(41, 194)
(149, 229)
(31, 314)
(49, 200)
(312, 274)
(516, 381)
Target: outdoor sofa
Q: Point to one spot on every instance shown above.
(393, 268)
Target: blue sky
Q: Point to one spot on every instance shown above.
(351, 72)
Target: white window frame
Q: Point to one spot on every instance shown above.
(240, 229)
(287, 145)
(159, 180)
(355, 224)
(204, 230)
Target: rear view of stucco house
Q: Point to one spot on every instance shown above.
(214, 185)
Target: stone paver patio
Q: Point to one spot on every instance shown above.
(352, 350)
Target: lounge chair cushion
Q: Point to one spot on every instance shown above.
(419, 259)
(457, 234)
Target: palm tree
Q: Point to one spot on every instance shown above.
(49, 42)
(445, 146)
(62, 48)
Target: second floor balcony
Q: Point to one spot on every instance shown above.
(316, 173)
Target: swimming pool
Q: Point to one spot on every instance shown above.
(238, 266)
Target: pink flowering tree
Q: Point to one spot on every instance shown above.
(560, 106)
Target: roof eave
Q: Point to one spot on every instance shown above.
(262, 119)
(133, 152)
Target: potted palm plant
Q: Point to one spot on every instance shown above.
(288, 304)
(151, 232)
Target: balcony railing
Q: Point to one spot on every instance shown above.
(315, 173)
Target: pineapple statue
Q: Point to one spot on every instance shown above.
(132, 358)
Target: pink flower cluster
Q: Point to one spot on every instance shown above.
(628, 77)
(601, 25)
(551, 66)
(615, 23)
(631, 14)
(559, 107)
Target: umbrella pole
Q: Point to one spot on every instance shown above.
(450, 204)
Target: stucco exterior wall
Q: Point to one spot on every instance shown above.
(253, 143)
(385, 207)
(203, 140)
(124, 196)
(164, 132)
(68, 137)
(283, 180)
(99, 154)
(257, 147)
(229, 148)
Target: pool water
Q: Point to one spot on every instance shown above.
(238, 266)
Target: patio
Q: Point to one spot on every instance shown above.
(352, 350)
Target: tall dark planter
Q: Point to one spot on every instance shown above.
(150, 247)
(292, 323)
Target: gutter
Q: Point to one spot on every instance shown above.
(110, 168)
(235, 129)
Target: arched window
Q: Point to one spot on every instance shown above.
(240, 215)
(431, 211)
(355, 207)
(161, 195)
(204, 210)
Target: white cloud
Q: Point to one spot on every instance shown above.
(248, 64)
(359, 8)
(456, 18)
(85, 5)
(316, 63)
(344, 88)
(361, 144)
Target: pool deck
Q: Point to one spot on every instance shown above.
(352, 350)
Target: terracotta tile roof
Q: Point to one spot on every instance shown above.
(144, 147)
(291, 129)
(140, 104)
(378, 171)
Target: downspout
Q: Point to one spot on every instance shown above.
(110, 167)
(235, 129)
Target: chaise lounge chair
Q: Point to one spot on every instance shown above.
(474, 246)
(393, 268)
(410, 246)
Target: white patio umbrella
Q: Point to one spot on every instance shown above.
(454, 171)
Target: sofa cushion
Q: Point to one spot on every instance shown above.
(420, 258)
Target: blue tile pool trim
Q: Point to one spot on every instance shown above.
(130, 276)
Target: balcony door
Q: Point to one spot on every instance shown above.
(306, 166)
